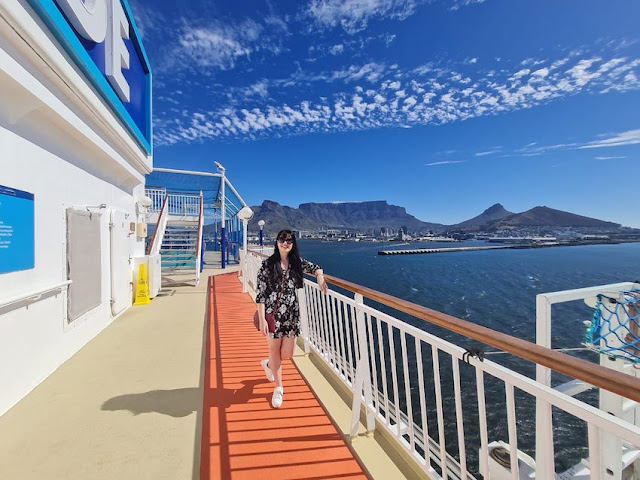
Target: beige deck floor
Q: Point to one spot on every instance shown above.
(128, 405)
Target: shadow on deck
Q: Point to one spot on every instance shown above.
(159, 395)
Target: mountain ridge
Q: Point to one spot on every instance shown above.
(372, 215)
(347, 215)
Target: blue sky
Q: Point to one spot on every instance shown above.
(444, 107)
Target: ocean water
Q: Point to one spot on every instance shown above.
(496, 289)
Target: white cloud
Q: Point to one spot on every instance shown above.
(370, 71)
(354, 15)
(217, 46)
(541, 73)
(580, 72)
(355, 46)
(489, 152)
(630, 137)
(147, 20)
(464, 3)
(260, 89)
(373, 95)
(201, 47)
(444, 162)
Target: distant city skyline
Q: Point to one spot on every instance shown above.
(444, 107)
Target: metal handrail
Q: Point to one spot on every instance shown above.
(36, 295)
(371, 352)
(155, 232)
(596, 375)
(599, 376)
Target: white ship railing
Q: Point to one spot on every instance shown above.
(178, 204)
(544, 303)
(254, 261)
(430, 394)
(157, 198)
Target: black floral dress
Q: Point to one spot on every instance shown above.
(288, 314)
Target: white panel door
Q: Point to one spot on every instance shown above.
(121, 266)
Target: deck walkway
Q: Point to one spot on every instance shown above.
(129, 404)
(242, 435)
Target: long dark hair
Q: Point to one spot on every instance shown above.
(295, 263)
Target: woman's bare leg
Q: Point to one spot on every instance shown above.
(286, 352)
(288, 345)
(275, 361)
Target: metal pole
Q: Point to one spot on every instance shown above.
(223, 212)
(244, 255)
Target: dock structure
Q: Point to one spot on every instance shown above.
(415, 251)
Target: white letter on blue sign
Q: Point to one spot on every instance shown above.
(116, 53)
(89, 18)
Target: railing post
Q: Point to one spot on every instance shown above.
(363, 374)
(304, 317)
(545, 465)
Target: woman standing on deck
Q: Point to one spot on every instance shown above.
(278, 279)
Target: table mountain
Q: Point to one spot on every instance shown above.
(361, 216)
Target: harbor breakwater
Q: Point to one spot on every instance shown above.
(519, 246)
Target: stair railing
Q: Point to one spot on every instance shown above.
(158, 233)
(199, 241)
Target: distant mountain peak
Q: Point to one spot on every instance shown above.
(491, 214)
(494, 209)
(542, 216)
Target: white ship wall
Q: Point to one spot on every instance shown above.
(59, 141)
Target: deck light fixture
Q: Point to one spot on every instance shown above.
(245, 214)
(261, 224)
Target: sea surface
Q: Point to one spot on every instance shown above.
(496, 289)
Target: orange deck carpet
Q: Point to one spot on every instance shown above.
(242, 435)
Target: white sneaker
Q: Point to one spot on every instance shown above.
(267, 370)
(276, 400)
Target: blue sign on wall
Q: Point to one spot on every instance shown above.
(104, 42)
(16, 230)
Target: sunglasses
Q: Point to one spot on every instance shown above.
(286, 240)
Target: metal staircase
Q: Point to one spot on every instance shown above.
(179, 246)
(177, 233)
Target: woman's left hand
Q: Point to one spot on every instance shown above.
(322, 284)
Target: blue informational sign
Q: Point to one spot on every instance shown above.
(17, 245)
(104, 42)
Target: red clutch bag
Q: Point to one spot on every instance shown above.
(270, 318)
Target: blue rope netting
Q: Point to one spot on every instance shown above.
(615, 327)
